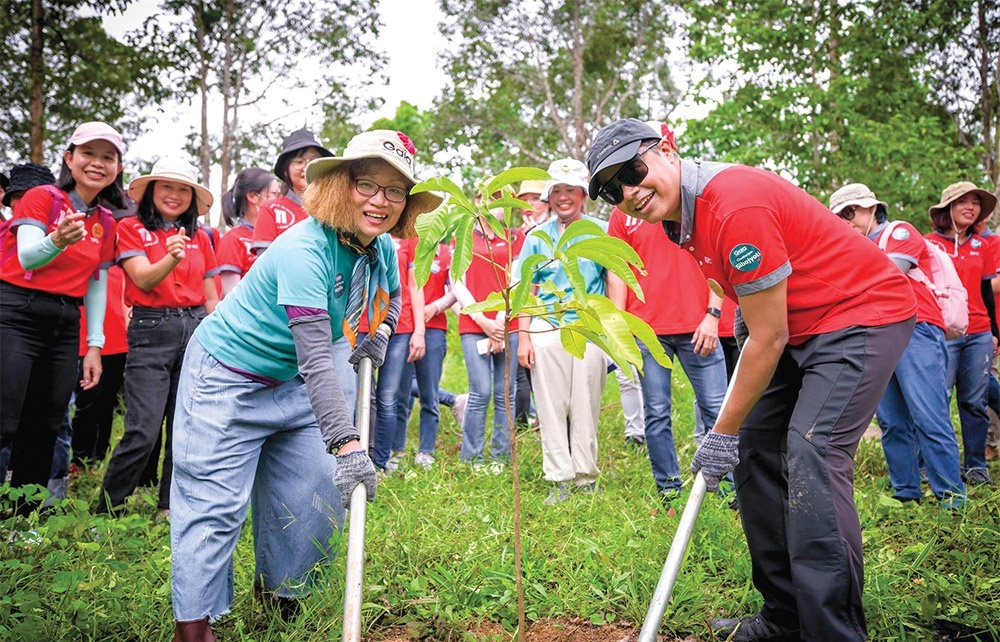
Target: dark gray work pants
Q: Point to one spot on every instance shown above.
(795, 480)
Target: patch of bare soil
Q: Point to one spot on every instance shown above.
(551, 630)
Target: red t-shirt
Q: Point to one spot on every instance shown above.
(974, 264)
(437, 284)
(906, 243)
(668, 269)
(993, 241)
(69, 273)
(484, 275)
(185, 285)
(273, 219)
(405, 249)
(115, 328)
(233, 253)
(728, 319)
(753, 229)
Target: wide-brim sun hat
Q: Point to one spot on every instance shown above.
(531, 187)
(953, 192)
(395, 148)
(294, 142)
(173, 170)
(853, 194)
(96, 130)
(24, 177)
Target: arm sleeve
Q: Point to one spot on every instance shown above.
(314, 351)
(395, 306)
(986, 289)
(35, 248)
(96, 304)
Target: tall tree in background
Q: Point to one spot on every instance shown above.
(61, 68)
(828, 93)
(533, 81)
(960, 40)
(243, 53)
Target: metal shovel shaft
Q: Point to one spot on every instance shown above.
(658, 605)
(356, 525)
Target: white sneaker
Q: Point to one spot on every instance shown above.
(458, 410)
(395, 459)
(424, 459)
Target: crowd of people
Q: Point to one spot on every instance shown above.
(236, 355)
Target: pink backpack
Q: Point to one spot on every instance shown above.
(952, 299)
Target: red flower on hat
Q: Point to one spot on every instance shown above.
(668, 133)
(407, 143)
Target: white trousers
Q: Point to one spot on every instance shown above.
(568, 399)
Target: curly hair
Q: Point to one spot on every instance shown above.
(328, 200)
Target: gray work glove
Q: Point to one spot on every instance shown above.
(373, 347)
(717, 455)
(740, 332)
(352, 469)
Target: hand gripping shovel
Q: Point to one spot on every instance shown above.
(356, 525)
(664, 587)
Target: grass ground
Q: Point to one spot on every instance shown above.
(440, 557)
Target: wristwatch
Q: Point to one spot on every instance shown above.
(337, 445)
(715, 312)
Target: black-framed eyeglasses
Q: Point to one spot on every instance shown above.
(847, 212)
(632, 172)
(371, 188)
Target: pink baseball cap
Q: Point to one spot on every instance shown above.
(96, 130)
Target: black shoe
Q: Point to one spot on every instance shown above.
(635, 442)
(904, 500)
(753, 629)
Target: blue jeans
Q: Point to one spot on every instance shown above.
(238, 442)
(428, 378)
(915, 418)
(969, 360)
(392, 399)
(486, 379)
(708, 378)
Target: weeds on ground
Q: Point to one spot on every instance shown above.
(440, 556)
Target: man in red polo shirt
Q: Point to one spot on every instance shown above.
(687, 326)
(828, 316)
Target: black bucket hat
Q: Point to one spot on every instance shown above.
(24, 177)
(294, 142)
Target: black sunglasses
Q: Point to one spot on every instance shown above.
(847, 213)
(632, 172)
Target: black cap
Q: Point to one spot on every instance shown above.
(24, 177)
(295, 141)
(614, 144)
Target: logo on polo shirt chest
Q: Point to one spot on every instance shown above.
(976, 244)
(745, 257)
(338, 284)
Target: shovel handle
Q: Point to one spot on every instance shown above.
(356, 525)
(658, 605)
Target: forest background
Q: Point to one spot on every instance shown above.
(900, 94)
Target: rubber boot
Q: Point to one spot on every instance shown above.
(194, 631)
